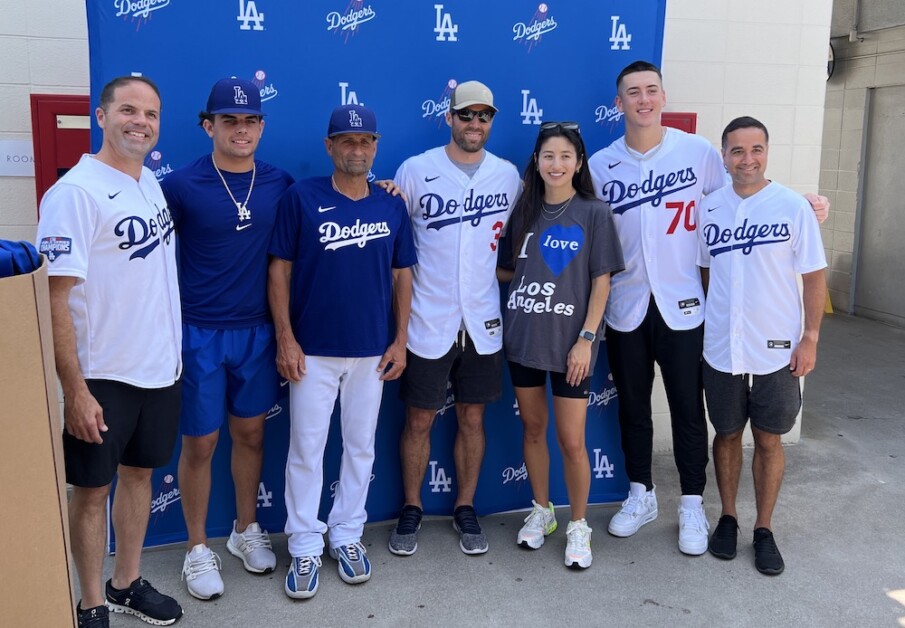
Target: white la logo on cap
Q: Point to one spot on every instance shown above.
(354, 119)
(240, 97)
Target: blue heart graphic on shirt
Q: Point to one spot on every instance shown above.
(559, 245)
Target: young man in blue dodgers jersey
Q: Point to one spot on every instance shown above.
(654, 179)
(224, 206)
(114, 302)
(459, 199)
(340, 288)
(756, 238)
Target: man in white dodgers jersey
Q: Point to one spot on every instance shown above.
(756, 238)
(224, 206)
(114, 301)
(340, 290)
(459, 199)
(654, 179)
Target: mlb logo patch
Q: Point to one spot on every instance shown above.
(54, 246)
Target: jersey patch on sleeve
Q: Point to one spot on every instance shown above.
(54, 246)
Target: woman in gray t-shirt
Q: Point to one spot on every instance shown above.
(558, 255)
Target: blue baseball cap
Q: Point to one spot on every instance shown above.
(352, 119)
(234, 95)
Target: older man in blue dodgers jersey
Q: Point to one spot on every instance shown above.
(756, 238)
(340, 289)
(114, 301)
(224, 206)
(459, 198)
(654, 179)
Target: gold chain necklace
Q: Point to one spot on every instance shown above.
(241, 208)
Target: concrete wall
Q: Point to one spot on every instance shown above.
(877, 61)
(44, 48)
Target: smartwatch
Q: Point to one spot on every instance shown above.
(588, 335)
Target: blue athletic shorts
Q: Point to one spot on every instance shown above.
(226, 370)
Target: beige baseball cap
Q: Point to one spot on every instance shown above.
(471, 93)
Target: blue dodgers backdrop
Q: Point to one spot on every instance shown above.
(547, 61)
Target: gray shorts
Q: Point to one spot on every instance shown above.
(771, 401)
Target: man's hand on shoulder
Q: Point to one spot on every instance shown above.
(820, 205)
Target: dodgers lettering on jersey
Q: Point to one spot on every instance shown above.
(457, 222)
(655, 200)
(755, 248)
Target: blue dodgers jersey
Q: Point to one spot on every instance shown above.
(342, 253)
(222, 255)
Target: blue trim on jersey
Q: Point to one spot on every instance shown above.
(222, 260)
(343, 253)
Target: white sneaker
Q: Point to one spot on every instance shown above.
(638, 509)
(693, 525)
(539, 523)
(201, 572)
(253, 547)
(578, 545)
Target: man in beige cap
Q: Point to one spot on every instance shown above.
(459, 198)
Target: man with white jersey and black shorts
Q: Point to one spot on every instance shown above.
(114, 300)
(756, 238)
(459, 199)
(340, 289)
(224, 205)
(654, 179)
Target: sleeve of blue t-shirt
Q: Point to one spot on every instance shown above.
(404, 248)
(172, 193)
(285, 237)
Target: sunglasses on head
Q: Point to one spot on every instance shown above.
(467, 115)
(567, 126)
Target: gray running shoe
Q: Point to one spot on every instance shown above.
(471, 538)
(404, 538)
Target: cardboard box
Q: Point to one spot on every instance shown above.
(35, 574)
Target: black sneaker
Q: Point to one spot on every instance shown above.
(404, 538)
(724, 538)
(767, 558)
(471, 537)
(96, 617)
(145, 602)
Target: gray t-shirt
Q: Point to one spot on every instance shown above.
(548, 296)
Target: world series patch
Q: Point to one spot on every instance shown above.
(54, 246)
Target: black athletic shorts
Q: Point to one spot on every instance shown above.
(527, 377)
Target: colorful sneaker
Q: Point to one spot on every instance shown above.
(578, 545)
(302, 580)
(724, 539)
(145, 602)
(201, 572)
(352, 562)
(767, 558)
(253, 548)
(471, 537)
(96, 617)
(693, 525)
(539, 523)
(638, 509)
(404, 538)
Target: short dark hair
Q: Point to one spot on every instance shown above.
(107, 94)
(637, 66)
(202, 116)
(744, 122)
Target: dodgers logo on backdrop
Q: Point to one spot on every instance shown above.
(265, 497)
(437, 109)
(620, 37)
(531, 113)
(530, 32)
(138, 9)
(154, 163)
(167, 494)
(440, 482)
(348, 22)
(54, 246)
(602, 468)
(604, 114)
(248, 15)
(513, 474)
(446, 29)
(744, 237)
(652, 190)
(348, 96)
(267, 90)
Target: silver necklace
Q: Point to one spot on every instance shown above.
(556, 212)
(241, 208)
